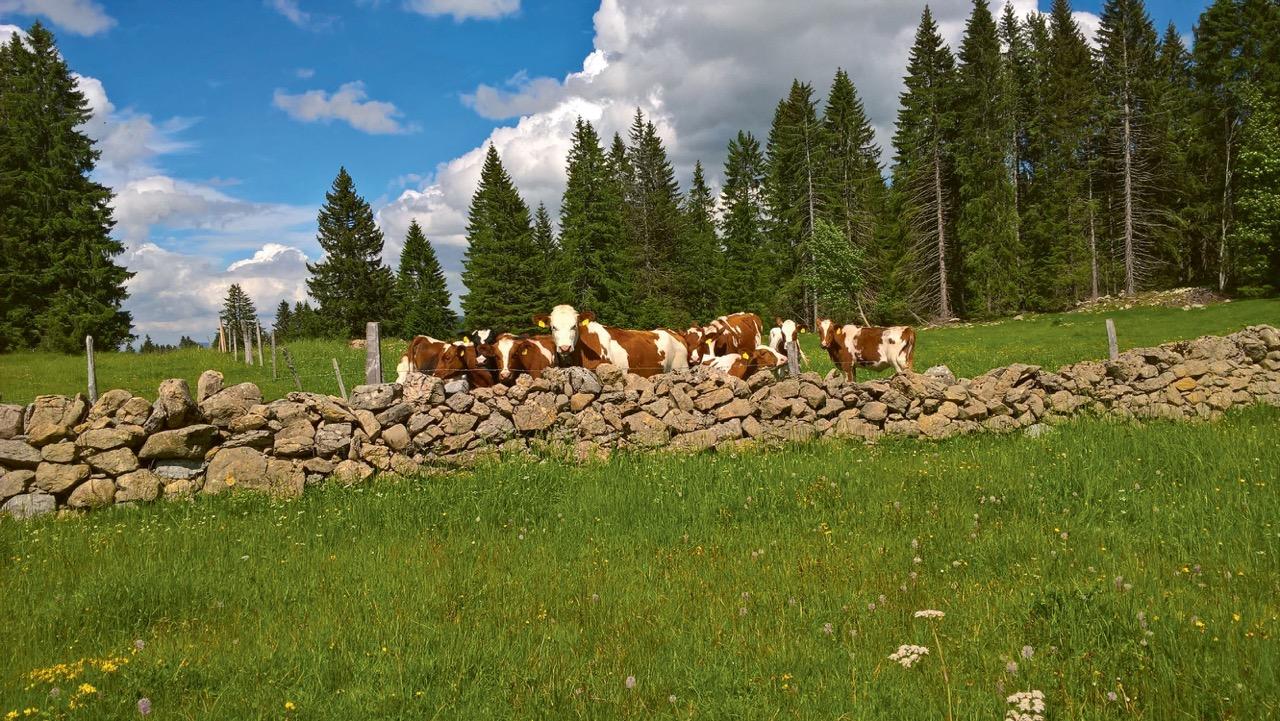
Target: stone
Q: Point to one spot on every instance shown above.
(250, 439)
(250, 421)
(459, 402)
(1185, 384)
(715, 398)
(15, 482)
(287, 412)
(141, 485)
(231, 467)
(397, 436)
(135, 411)
(10, 420)
(29, 505)
(103, 439)
(375, 397)
(230, 403)
(176, 469)
(113, 462)
(582, 380)
(295, 440)
(380, 456)
(737, 408)
(875, 411)
(181, 490)
(59, 477)
(321, 466)
(942, 374)
(422, 391)
(851, 426)
(284, 479)
(352, 472)
(786, 389)
(813, 395)
(495, 427)
(333, 439)
(457, 385)
(110, 402)
(398, 413)
(456, 423)
(208, 384)
(173, 407)
(948, 409)
(533, 417)
(52, 418)
(368, 423)
(695, 441)
(1036, 430)
(681, 421)
(752, 427)
(189, 443)
(609, 375)
(59, 452)
(934, 425)
(578, 401)
(404, 465)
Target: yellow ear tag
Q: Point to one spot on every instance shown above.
(585, 322)
(524, 351)
(542, 324)
(802, 330)
(746, 356)
(466, 341)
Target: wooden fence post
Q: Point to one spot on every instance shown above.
(372, 354)
(793, 359)
(273, 354)
(93, 373)
(288, 360)
(1113, 348)
(235, 351)
(248, 344)
(257, 326)
(222, 336)
(342, 387)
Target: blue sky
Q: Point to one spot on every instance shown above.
(222, 124)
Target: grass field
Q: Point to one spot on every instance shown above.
(1047, 340)
(1102, 558)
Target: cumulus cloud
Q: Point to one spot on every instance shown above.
(81, 17)
(348, 104)
(461, 10)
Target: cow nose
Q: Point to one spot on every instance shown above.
(565, 348)
(504, 374)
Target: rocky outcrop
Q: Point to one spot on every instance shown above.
(64, 453)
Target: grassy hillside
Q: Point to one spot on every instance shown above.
(1124, 571)
(1048, 340)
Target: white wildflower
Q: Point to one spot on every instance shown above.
(1027, 706)
(929, 613)
(907, 654)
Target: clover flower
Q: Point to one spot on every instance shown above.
(144, 706)
(929, 613)
(631, 682)
(908, 654)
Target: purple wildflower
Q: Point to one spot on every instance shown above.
(144, 705)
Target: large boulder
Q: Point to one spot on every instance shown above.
(233, 466)
(108, 403)
(93, 493)
(114, 462)
(230, 403)
(333, 439)
(375, 397)
(141, 485)
(173, 408)
(296, 440)
(29, 505)
(15, 482)
(52, 418)
(10, 420)
(59, 477)
(104, 439)
(190, 443)
(16, 454)
(209, 383)
(65, 452)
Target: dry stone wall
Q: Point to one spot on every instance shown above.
(62, 452)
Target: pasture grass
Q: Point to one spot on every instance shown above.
(1139, 560)
(1049, 340)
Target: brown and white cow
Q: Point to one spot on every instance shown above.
(462, 358)
(422, 356)
(785, 331)
(516, 355)
(851, 346)
(580, 340)
(746, 364)
(727, 335)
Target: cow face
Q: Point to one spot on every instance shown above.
(693, 338)
(826, 332)
(452, 361)
(566, 325)
(505, 351)
(790, 328)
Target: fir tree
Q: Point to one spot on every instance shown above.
(422, 296)
(58, 279)
(792, 183)
(652, 216)
(238, 309)
(351, 284)
(1175, 247)
(987, 227)
(742, 229)
(594, 265)
(147, 345)
(548, 257)
(284, 320)
(698, 256)
(501, 292)
(923, 178)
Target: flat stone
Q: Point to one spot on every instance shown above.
(456, 423)
(321, 466)
(189, 443)
(737, 408)
(65, 452)
(141, 485)
(231, 467)
(695, 441)
(15, 482)
(250, 439)
(295, 440)
(103, 439)
(113, 462)
(93, 493)
(29, 505)
(333, 439)
(459, 402)
(578, 401)
(59, 477)
(533, 417)
(177, 469)
(375, 397)
(496, 427)
(715, 398)
(398, 413)
(248, 422)
(875, 411)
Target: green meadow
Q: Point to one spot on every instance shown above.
(1050, 340)
(1125, 571)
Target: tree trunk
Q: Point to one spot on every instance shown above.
(944, 302)
(1093, 248)
(1130, 282)
(1226, 208)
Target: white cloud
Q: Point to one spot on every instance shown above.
(305, 73)
(8, 31)
(81, 17)
(348, 104)
(229, 223)
(299, 17)
(464, 9)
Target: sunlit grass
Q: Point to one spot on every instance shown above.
(1135, 560)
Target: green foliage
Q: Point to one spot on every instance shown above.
(284, 320)
(59, 280)
(1256, 236)
(838, 270)
(422, 296)
(746, 254)
(504, 289)
(351, 284)
(548, 258)
(699, 260)
(793, 178)
(652, 214)
(594, 265)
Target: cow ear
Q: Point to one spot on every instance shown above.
(586, 316)
(541, 320)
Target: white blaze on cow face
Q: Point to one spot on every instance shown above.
(564, 328)
(826, 331)
(505, 347)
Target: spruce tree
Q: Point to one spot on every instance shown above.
(698, 255)
(792, 183)
(284, 320)
(852, 186)
(987, 227)
(548, 256)
(1256, 237)
(351, 284)
(746, 257)
(502, 293)
(1178, 255)
(593, 258)
(422, 295)
(923, 173)
(653, 219)
(59, 280)
(1127, 62)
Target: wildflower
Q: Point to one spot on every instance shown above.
(742, 610)
(907, 654)
(1027, 706)
(288, 706)
(1011, 667)
(1111, 696)
(11, 715)
(929, 613)
(1028, 652)
(828, 629)
(631, 682)
(86, 689)
(595, 598)
(139, 644)
(917, 560)
(871, 606)
(915, 543)
(671, 699)
(144, 706)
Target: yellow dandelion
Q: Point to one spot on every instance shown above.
(288, 706)
(1235, 617)
(11, 715)
(87, 688)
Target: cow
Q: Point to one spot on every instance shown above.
(462, 358)
(422, 356)
(746, 364)
(514, 355)
(579, 340)
(726, 335)
(785, 331)
(482, 338)
(851, 346)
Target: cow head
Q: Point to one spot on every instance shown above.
(566, 326)
(827, 332)
(453, 360)
(790, 328)
(693, 338)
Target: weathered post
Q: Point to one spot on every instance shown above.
(372, 354)
(222, 336)
(258, 329)
(248, 344)
(235, 352)
(273, 354)
(342, 387)
(1113, 348)
(93, 373)
(793, 359)
(288, 360)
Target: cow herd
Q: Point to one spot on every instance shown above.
(732, 343)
